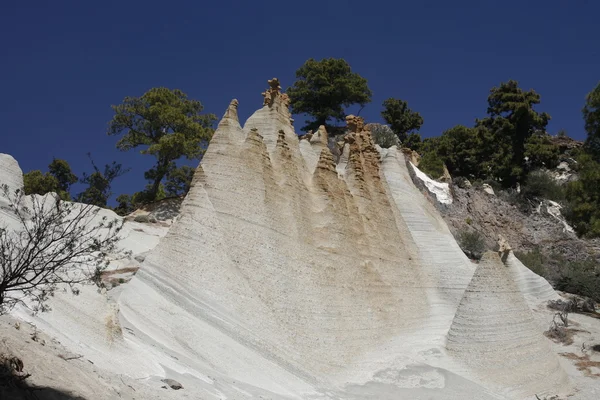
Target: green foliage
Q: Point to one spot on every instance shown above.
(430, 162)
(534, 260)
(36, 182)
(540, 184)
(472, 243)
(580, 277)
(401, 119)
(58, 180)
(541, 151)
(591, 116)
(583, 196)
(324, 88)
(61, 170)
(511, 121)
(124, 205)
(413, 142)
(382, 135)
(179, 180)
(99, 183)
(146, 196)
(432, 165)
(167, 125)
(461, 149)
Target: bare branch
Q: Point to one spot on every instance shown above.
(56, 243)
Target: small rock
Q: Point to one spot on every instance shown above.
(173, 384)
(488, 189)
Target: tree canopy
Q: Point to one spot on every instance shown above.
(61, 170)
(591, 117)
(401, 119)
(324, 88)
(511, 121)
(99, 183)
(58, 180)
(167, 125)
(583, 195)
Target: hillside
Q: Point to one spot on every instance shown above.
(287, 275)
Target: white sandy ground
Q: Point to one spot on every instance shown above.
(286, 276)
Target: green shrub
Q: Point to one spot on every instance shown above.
(144, 218)
(539, 184)
(580, 277)
(472, 243)
(383, 135)
(469, 221)
(534, 260)
(432, 165)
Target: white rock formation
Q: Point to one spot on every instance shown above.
(441, 190)
(496, 337)
(288, 276)
(10, 172)
(488, 189)
(554, 209)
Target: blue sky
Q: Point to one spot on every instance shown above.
(64, 63)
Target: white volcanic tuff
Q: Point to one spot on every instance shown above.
(285, 272)
(494, 334)
(10, 175)
(444, 268)
(288, 262)
(536, 289)
(441, 190)
(10, 172)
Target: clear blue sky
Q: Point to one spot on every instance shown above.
(63, 63)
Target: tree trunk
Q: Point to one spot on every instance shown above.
(161, 171)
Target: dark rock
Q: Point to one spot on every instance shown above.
(173, 384)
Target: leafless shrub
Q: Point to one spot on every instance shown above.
(55, 242)
(558, 330)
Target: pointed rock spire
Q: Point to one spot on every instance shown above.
(495, 335)
(232, 111)
(320, 136)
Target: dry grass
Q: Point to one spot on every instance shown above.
(560, 334)
(113, 327)
(106, 274)
(584, 364)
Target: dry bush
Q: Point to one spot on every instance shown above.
(584, 364)
(558, 330)
(112, 324)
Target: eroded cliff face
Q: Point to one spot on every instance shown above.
(303, 271)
